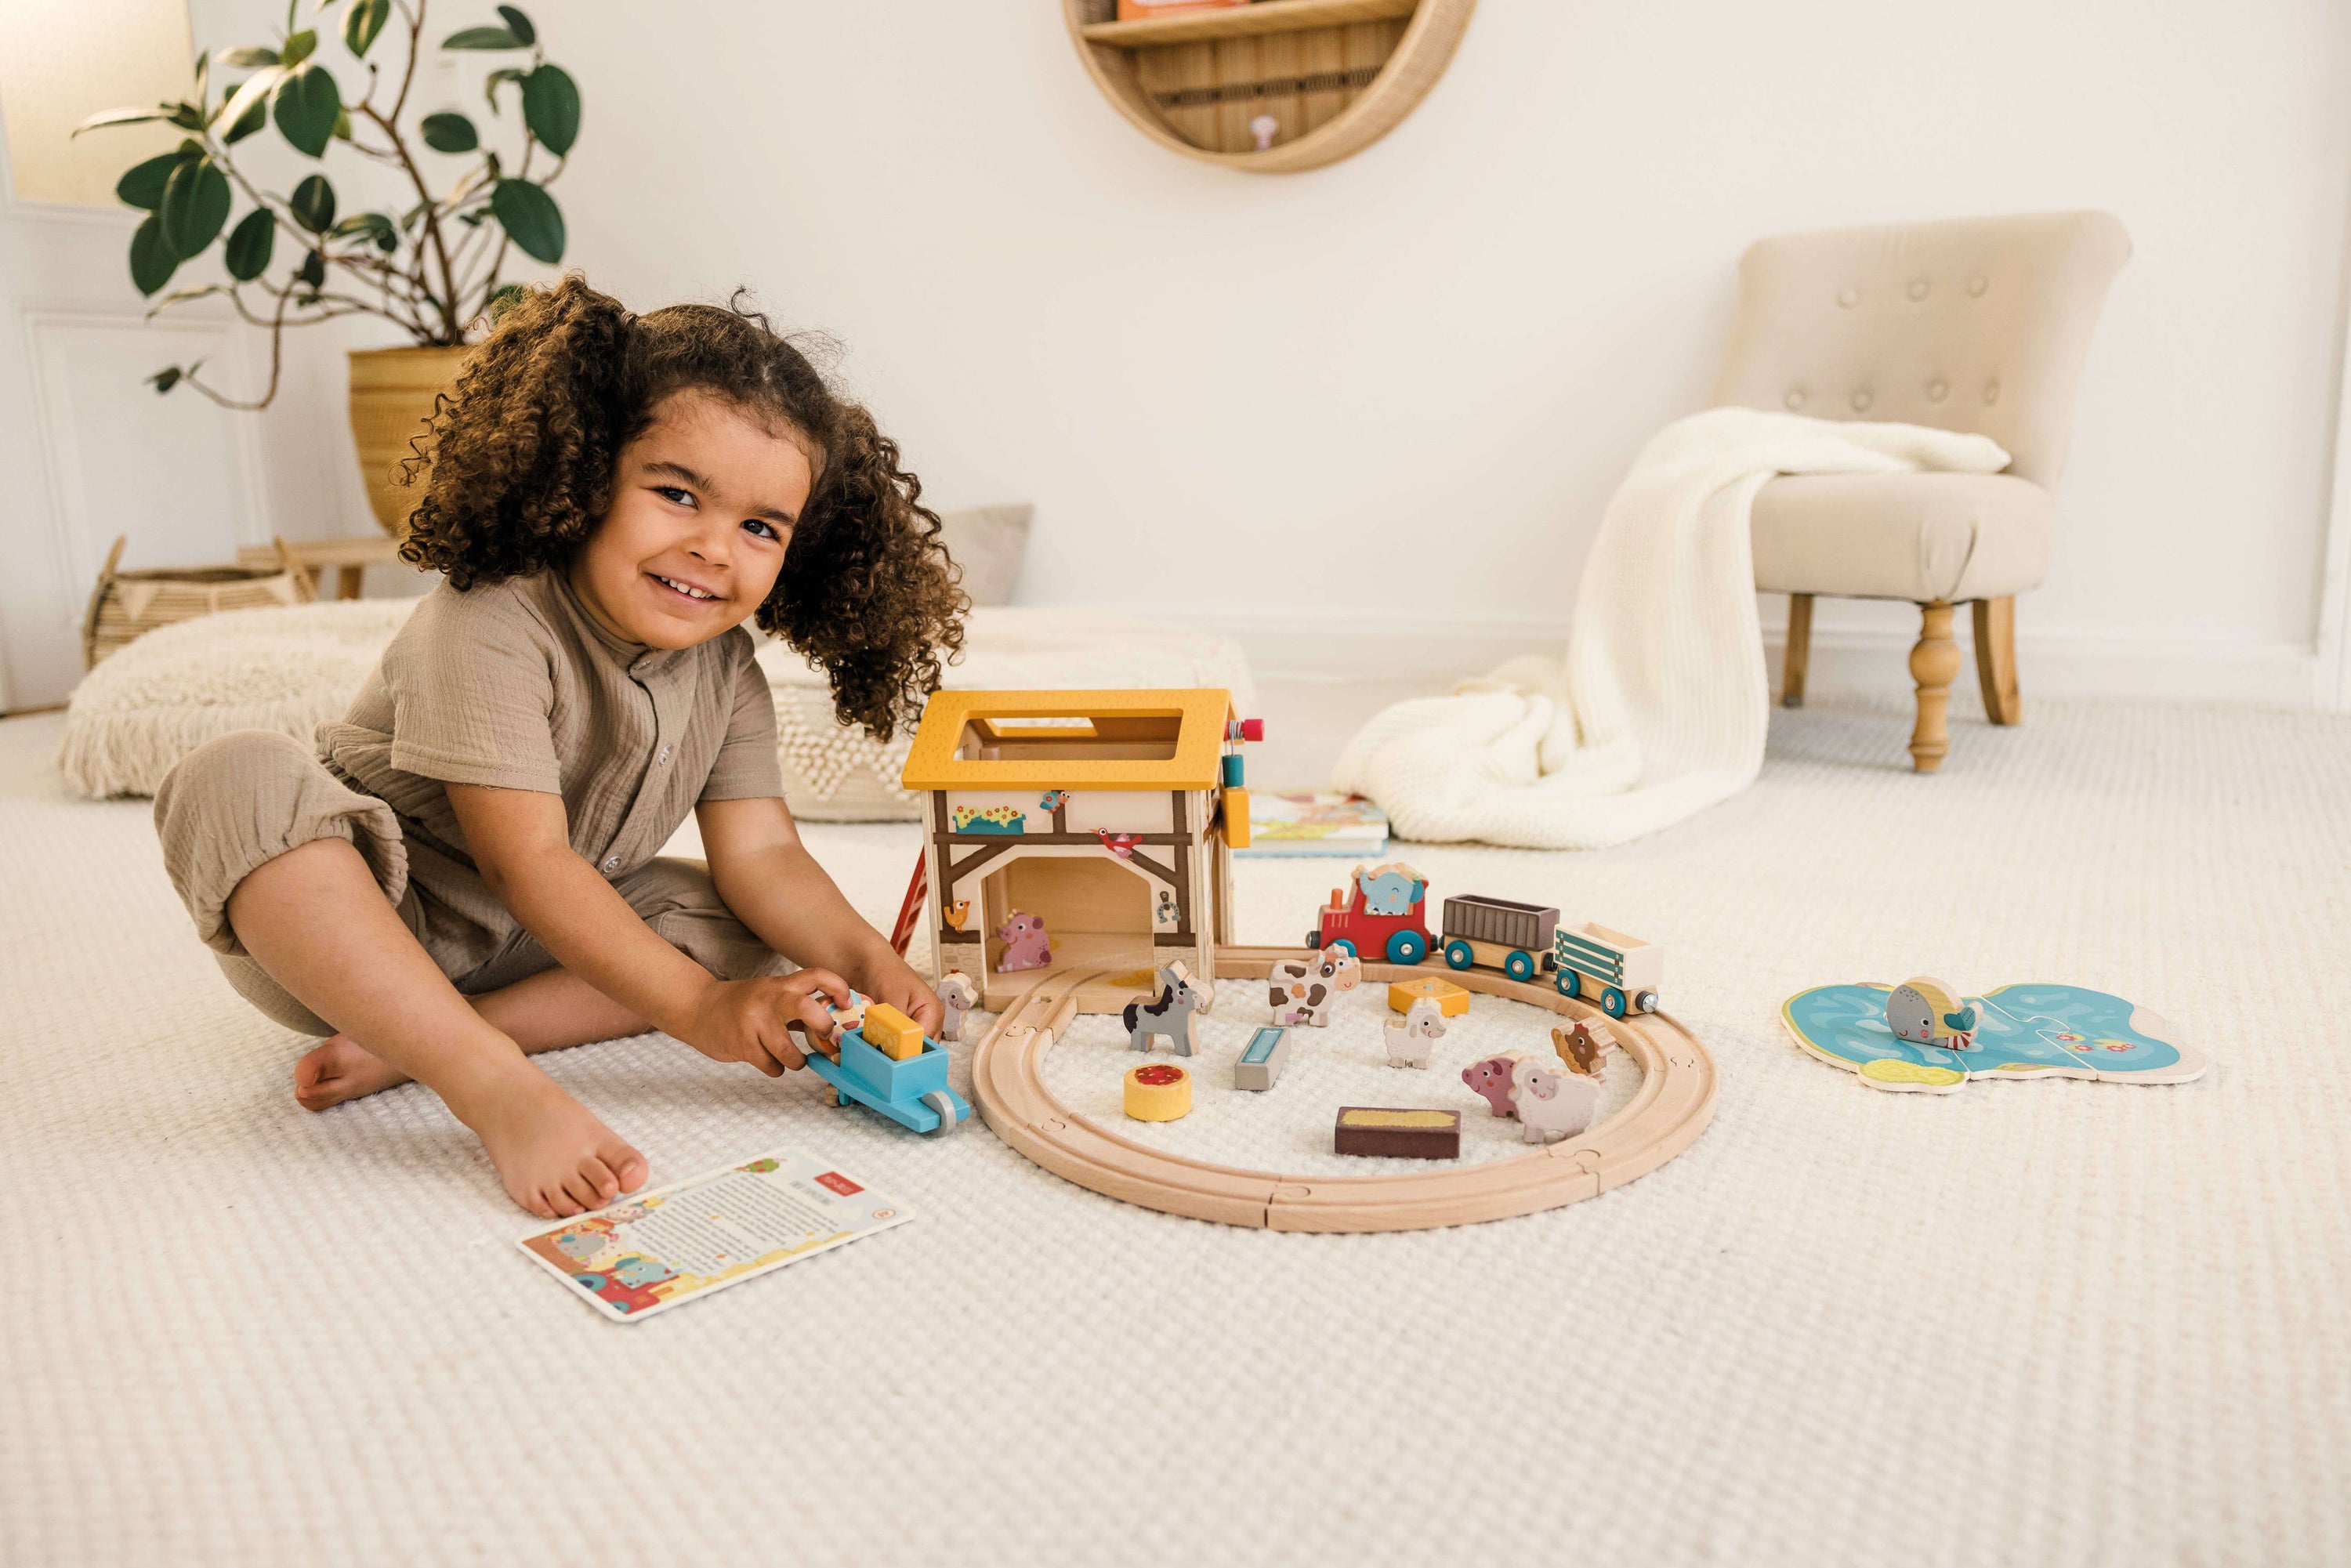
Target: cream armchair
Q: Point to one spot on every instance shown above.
(1980, 325)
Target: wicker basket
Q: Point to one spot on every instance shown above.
(127, 605)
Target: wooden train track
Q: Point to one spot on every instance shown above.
(1674, 1103)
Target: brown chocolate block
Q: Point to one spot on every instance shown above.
(1413, 1135)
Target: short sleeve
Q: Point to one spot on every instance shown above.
(747, 768)
(472, 681)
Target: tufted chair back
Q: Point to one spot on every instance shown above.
(1973, 324)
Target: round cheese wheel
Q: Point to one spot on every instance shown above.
(1158, 1091)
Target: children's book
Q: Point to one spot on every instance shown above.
(652, 1251)
(1284, 825)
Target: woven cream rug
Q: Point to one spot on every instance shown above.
(2047, 1324)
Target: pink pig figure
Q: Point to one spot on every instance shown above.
(1025, 946)
(1491, 1079)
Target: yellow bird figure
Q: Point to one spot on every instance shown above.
(957, 913)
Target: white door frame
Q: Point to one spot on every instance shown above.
(2333, 692)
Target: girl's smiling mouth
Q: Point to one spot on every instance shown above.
(684, 589)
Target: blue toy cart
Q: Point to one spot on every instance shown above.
(913, 1093)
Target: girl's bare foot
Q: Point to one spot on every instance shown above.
(556, 1158)
(342, 1070)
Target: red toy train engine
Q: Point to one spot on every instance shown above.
(1377, 916)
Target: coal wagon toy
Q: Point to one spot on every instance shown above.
(1499, 933)
(1621, 973)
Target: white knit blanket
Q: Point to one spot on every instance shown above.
(1661, 707)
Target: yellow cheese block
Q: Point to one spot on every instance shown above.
(1452, 1001)
(1158, 1091)
(892, 1032)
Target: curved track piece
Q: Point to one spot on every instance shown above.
(1674, 1103)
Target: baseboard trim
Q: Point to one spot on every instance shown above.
(1321, 645)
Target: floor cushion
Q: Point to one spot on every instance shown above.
(291, 669)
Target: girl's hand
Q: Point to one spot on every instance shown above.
(892, 980)
(751, 1020)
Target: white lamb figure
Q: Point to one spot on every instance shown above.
(1551, 1102)
(957, 996)
(1408, 1036)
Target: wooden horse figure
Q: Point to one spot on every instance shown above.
(1180, 997)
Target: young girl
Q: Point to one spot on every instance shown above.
(468, 871)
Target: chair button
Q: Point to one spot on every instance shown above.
(612, 865)
(1860, 401)
(1991, 393)
(1937, 391)
(1793, 400)
(664, 754)
(1919, 287)
(1976, 286)
(1848, 297)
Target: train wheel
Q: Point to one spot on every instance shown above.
(1645, 1002)
(1407, 947)
(1612, 1001)
(1314, 941)
(1518, 966)
(1457, 954)
(1568, 986)
(1346, 945)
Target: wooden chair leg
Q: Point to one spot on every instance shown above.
(1798, 654)
(1996, 659)
(1933, 663)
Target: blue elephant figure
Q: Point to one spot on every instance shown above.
(1390, 891)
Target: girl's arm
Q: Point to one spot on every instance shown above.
(520, 839)
(773, 884)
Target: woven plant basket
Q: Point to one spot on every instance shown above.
(127, 605)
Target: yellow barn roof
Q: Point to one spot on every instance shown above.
(1056, 729)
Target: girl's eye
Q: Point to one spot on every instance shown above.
(673, 495)
(763, 527)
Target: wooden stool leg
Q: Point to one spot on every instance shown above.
(1798, 654)
(1996, 659)
(349, 581)
(1933, 663)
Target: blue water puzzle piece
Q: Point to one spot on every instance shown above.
(2030, 1031)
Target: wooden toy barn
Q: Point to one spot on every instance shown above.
(1108, 816)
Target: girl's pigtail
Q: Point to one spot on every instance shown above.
(867, 590)
(520, 457)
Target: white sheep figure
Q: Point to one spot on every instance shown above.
(1552, 1102)
(1408, 1036)
(958, 996)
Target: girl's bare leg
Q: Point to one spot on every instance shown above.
(550, 1010)
(315, 919)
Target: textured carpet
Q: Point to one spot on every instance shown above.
(2046, 1322)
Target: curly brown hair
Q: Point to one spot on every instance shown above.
(518, 472)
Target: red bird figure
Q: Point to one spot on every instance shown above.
(1119, 845)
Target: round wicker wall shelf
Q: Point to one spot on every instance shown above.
(1274, 87)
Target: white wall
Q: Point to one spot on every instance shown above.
(1319, 408)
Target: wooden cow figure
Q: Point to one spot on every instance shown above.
(1300, 989)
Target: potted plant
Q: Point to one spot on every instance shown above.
(427, 260)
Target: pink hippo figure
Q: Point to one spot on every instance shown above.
(1025, 946)
(1490, 1077)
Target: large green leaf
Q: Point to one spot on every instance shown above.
(551, 106)
(483, 38)
(141, 184)
(153, 259)
(518, 23)
(247, 56)
(449, 131)
(300, 47)
(362, 22)
(306, 106)
(249, 244)
(195, 206)
(242, 111)
(313, 203)
(531, 217)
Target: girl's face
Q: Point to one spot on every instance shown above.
(703, 505)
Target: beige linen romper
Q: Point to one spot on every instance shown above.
(509, 684)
